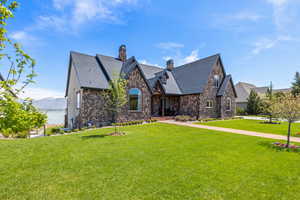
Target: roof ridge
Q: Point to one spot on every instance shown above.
(147, 65)
(202, 59)
(75, 52)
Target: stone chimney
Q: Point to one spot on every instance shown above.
(122, 53)
(170, 64)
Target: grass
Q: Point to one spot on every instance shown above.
(255, 125)
(155, 161)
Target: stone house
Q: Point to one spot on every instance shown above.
(201, 89)
(243, 91)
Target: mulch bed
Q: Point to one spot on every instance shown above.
(266, 122)
(116, 134)
(283, 146)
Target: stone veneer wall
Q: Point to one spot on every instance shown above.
(93, 106)
(228, 94)
(135, 80)
(189, 105)
(92, 109)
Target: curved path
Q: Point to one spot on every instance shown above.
(236, 131)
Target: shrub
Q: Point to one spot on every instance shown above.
(75, 130)
(7, 132)
(241, 111)
(208, 119)
(183, 118)
(23, 134)
(55, 130)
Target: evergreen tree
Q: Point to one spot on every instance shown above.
(296, 85)
(267, 103)
(254, 103)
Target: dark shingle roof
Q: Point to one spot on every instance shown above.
(192, 77)
(88, 71)
(96, 71)
(243, 91)
(222, 90)
(111, 65)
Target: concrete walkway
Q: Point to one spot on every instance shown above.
(236, 131)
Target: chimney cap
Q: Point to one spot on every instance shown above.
(122, 53)
(123, 46)
(170, 64)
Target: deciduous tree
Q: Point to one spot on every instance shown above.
(116, 97)
(288, 108)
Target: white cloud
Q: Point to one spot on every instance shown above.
(25, 38)
(56, 22)
(179, 59)
(145, 62)
(242, 16)
(40, 93)
(267, 43)
(22, 36)
(166, 58)
(169, 45)
(73, 13)
(191, 58)
(278, 2)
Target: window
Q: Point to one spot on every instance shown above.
(228, 104)
(78, 96)
(216, 81)
(209, 104)
(135, 99)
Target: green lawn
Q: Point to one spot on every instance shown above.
(157, 161)
(255, 125)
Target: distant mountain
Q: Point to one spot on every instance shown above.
(50, 103)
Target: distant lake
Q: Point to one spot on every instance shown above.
(55, 116)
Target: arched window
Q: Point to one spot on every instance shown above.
(216, 81)
(135, 99)
(228, 104)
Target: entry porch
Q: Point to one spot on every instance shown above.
(165, 105)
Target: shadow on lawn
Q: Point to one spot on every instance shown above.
(92, 137)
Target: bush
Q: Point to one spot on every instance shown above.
(7, 133)
(208, 119)
(18, 117)
(55, 130)
(75, 130)
(23, 134)
(240, 111)
(183, 118)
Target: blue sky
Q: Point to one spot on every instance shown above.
(259, 40)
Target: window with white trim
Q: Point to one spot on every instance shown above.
(78, 100)
(228, 104)
(135, 99)
(216, 81)
(209, 104)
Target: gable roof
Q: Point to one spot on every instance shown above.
(225, 83)
(193, 77)
(96, 72)
(243, 91)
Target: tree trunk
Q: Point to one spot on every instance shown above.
(271, 119)
(289, 135)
